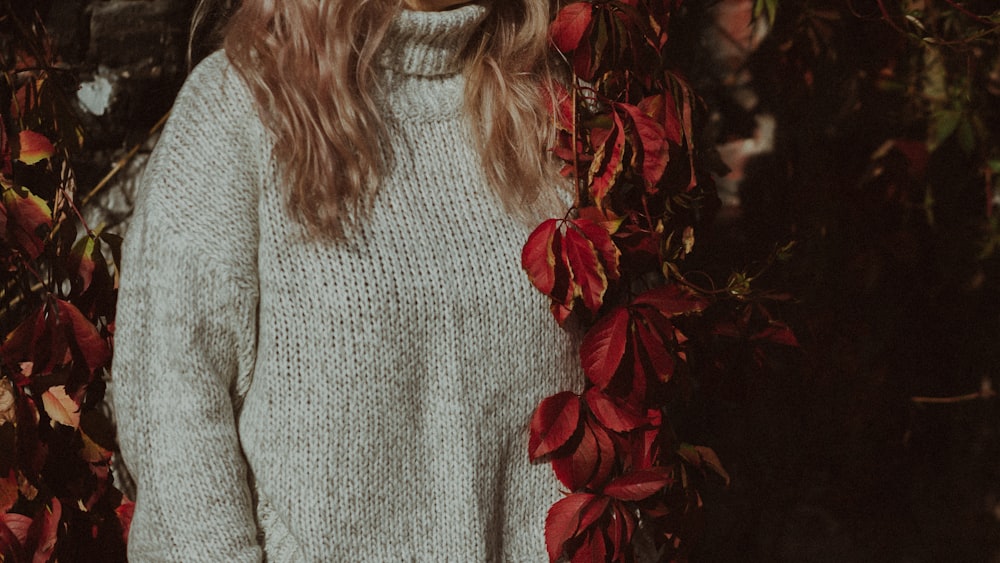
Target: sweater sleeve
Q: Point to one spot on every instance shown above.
(186, 326)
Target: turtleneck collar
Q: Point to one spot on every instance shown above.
(429, 43)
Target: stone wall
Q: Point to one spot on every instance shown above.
(130, 59)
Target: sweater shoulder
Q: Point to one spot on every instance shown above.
(215, 95)
(201, 185)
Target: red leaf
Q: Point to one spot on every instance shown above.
(18, 524)
(570, 26)
(82, 259)
(916, 154)
(36, 341)
(607, 164)
(778, 333)
(607, 456)
(583, 62)
(28, 220)
(638, 383)
(637, 485)
(46, 531)
(3, 220)
(613, 414)
(652, 144)
(34, 147)
(654, 349)
(687, 121)
(663, 108)
(8, 486)
(538, 257)
(593, 549)
(57, 334)
(124, 513)
(589, 279)
(553, 424)
(672, 300)
(577, 469)
(562, 522)
(645, 448)
(592, 512)
(603, 347)
(93, 349)
(726, 328)
(600, 238)
(560, 312)
(620, 529)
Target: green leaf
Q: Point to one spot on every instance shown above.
(966, 136)
(943, 124)
(82, 261)
(769, 6)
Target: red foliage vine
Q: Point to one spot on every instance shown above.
(628, 129)
(58, 279)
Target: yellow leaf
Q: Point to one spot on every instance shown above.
(61, 407)
(8, 412)
(34, 147)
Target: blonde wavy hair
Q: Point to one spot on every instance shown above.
(311, 67)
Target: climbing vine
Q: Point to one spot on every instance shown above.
(630, 130)
(58, 283)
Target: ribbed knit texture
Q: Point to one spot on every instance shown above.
(361, 400)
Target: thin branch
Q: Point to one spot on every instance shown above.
(123, 161)
(969, 13)
(986, 391)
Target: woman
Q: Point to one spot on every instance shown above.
(326, 350)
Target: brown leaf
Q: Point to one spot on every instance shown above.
(61, 407)
(8, 412)
(672, 300)
(703, 457)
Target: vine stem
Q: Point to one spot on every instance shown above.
(968, 12)
(576, 152)
(120, 164)
(986, 391)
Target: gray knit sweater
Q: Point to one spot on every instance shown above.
(289, 399)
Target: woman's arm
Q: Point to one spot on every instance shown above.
(186, 327)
